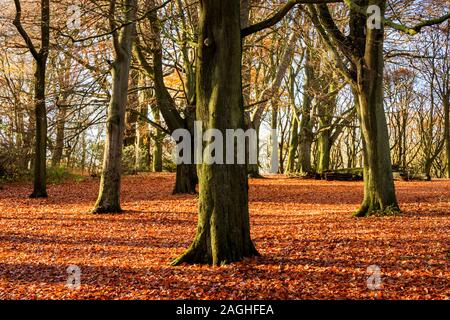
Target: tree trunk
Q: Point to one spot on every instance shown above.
(185, 179)
(293, 142)
(131, 118)
(40, 112)
(253, 168)
(306, 135)
(305, 151)
(325, 139)
(427, 167)
(323, 151)
(83, 151)
(109, 195)
(40, 169)
(186, 176)
(379, 191)
(59, 142)
(274, 157)
(293, 146)
(447, 131)
(223, 233)
(157, 165)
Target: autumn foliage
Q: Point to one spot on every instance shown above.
(311, 246)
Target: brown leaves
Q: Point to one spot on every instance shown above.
(311, 246)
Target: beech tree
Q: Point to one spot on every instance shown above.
(363, 49)
(223, 232)
(109, 194)
(40, 57)
(186, 175)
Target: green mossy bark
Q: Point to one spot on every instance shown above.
(223, 232)
(379, 190)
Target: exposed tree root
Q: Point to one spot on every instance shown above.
(375, 209)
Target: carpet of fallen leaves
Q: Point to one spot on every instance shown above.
(311, 247)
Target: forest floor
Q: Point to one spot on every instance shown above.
(311, 247)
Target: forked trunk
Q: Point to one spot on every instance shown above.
(379, 190)
(108, 200)
(109, 195)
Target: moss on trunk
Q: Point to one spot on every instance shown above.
(223, 232)
(379, 190)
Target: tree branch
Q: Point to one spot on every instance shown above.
(22, 31)
(146, 119)
(280, 14)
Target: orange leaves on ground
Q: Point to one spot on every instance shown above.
(311, 246)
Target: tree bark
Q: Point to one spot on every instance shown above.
(306, 135)
(223, 232)
(157, 165)
(109, 194)
(59, 142)
(379, 190)
(447, 131)
(293, 146)
(323, 151)
(293, 142)
(186, 179)
(325, 140)
(40, 168)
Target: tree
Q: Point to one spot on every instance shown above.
(223, 232)
(109, 194)
(306, 134)
(61, 104)
(186, 175)
(40, 58)
(293, 141)
(363, 48)
(271, 92)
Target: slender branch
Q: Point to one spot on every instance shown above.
(23, 33)
(279, 15)
(146, 119)
(337, 59)
(418, 27)
(117, 27)
(400, 27)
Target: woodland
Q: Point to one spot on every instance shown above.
(349, 196)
